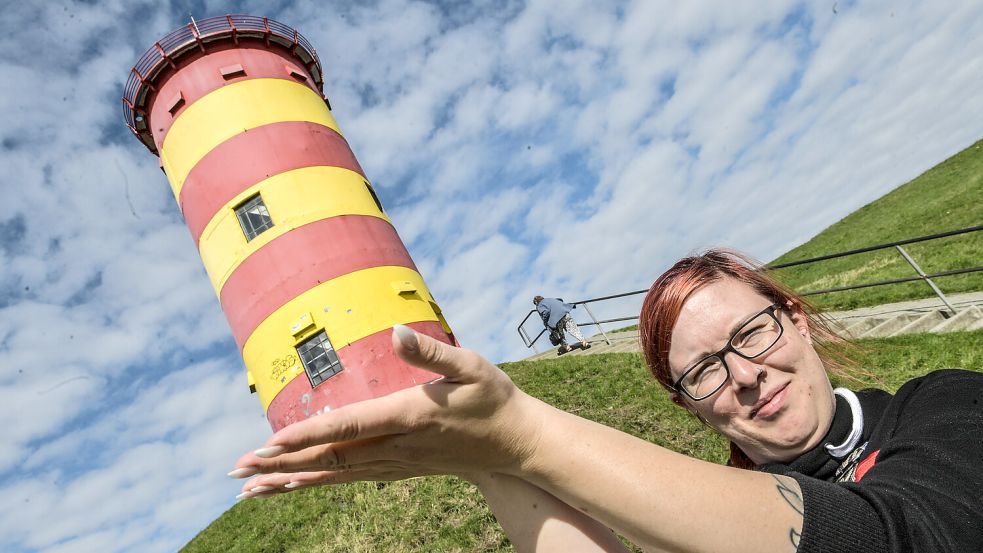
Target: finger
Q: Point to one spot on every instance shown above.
(387, 415)
(281, 481)
(327, 456)
(382, 473)
(273, 484)
(312, 479)
(288, 481)
(456, 364)
(259, 490)
(309, 479)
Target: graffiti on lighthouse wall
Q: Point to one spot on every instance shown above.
(282, 368)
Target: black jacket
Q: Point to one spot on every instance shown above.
(914, 482)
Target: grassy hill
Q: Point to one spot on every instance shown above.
(949, 196)
(446, 514)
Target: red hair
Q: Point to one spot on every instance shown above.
(666, 297)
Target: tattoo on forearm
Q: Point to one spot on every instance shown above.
(790, 496)
(794, 500)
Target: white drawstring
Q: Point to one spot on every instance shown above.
(856, 431)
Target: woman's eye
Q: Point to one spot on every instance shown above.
(703, 371)
(751, 333)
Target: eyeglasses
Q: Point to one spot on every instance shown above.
(752, 339)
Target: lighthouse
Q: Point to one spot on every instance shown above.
(304, 259)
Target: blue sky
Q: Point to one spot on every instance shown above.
(561, 147)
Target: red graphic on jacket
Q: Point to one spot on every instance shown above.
(866, 465)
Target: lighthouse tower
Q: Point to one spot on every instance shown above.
(304, 259)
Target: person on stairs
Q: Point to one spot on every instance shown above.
(556, 316)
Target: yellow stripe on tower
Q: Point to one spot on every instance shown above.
(347, 308)
(230, 110)
(293, 198)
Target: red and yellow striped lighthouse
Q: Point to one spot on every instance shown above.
(306, 263)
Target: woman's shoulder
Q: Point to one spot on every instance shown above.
(941, 380)
(937, 379)
(944, 398)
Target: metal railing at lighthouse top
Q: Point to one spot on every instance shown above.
(193, 40)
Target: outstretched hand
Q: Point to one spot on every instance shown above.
(473, 419)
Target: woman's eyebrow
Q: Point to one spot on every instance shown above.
(736, 327)
(733, 330)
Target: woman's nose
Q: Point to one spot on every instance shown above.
(745, 373)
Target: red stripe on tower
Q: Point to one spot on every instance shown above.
(356, 380)
(224, 64)
(272, 276)
(234, 165)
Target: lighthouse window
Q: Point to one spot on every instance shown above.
(254, 217)
(319, 358)
(374, 197)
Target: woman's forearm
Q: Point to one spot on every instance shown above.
(535, 520)
(659, 499)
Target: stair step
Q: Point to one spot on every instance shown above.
(841, 327)
(859, 328)
(962, 320)
(892, 325)
(922, 324)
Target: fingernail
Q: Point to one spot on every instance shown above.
(406, 336)
(243, 472)
(244, 495)
(261, 489)
(267, 452)
(291, 485)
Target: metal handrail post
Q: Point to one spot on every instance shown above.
(924, 277)
(597, 324)
(528, 340)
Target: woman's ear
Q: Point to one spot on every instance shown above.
(799, 319)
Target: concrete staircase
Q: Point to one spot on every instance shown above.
(895, 319)
(909, 317)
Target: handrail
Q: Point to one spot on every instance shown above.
(877, 247)
(530, 343)
(196, 34)
(892, 281)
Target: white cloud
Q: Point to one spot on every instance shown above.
(138, 470)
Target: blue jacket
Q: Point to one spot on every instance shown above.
(552, 310)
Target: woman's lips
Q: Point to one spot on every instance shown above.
(771, 406)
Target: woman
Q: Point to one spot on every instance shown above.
(836, 471)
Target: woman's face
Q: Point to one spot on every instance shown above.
(775, 406)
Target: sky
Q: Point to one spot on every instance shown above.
(557, 147)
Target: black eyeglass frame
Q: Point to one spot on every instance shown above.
(729, 348)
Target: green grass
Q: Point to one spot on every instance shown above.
(949, 196)
(446, 514)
